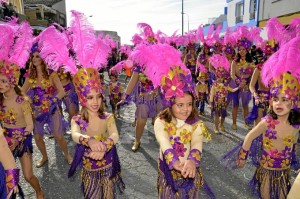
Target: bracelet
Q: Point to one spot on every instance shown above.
(12, 179)
(195, 155)
(108, 143)
(84, 141)
(243, 154)
(170, 157)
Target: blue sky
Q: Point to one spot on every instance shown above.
(165, 15)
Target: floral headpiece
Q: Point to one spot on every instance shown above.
(16, 41)
(282, 72)
(117, 69)
(89, 53)
(221, 64)
(170, 74)
(35, 47)
(242, 36)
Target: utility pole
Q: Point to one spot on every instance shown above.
(182, 18)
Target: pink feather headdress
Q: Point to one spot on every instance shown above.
(282, 72)
(243, 37)
(15, 41)
(221, 64)
(117, 69)
(163, 66)
(79, 51)
(125, 49)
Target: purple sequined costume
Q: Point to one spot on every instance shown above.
(70, 99)
(100, 178)
(244, 94)
(46, 114)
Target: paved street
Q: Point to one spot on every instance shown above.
(139, 169)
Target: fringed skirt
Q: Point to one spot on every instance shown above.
(271, 184)
(71, 100)
(100, 184)
(2, 183)
(187, 188)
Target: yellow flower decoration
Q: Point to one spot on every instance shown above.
(185, 136)
(285, 163)
(100, 137)
(101, 163)
(268, 144)
(45, 83)
(267, 161)
(86, 162)
(169, 157)
(170, 128)
(289, 140)
(196, 155)
(9, 183)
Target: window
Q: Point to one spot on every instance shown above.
(252, 8)
(239, 12)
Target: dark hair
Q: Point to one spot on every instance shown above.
(166, 114)
(294, 116)
(248, 57)
(85, 115)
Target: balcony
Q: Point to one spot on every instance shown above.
(252, 15)
(239, 19)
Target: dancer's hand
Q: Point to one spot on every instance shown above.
(189, 169)
(96, 155)
(240, 163)
(256, 101)
(96, 145)
(177, 166)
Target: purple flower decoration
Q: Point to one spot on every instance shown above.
(271, 134)
(179, 149)
(286, 151)
(81, 123)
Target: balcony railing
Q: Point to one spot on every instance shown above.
(239, 19)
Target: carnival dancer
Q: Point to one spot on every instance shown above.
(9, 173)
(46, 91)
(93, 130)
(241, 72)
(277, 133)
(190, 59)
(201, 90)
(70, 100)
(15, 112)
(115, 91)
(140, 89)
(178, 128)
(220, 89)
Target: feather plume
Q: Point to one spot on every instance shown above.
(228, 37)
(118, 67)
(6, 40)
(157, 64)
(21, 49)
(54, 50)
(202, 67)
(98, 57)
(200, 34)
(146, 30)
(83, 37)
(136, 39)
(218, 61)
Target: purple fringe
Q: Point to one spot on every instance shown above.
(253, 115)
(79, 151)
(169, 179)
(208, 190)
(25, 146)
(295, 160)
(230, 158)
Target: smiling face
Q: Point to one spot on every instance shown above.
(281, 104)
(4, 84)
(242, 51)
(182, 107)
(94, 101)
(36, 59)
